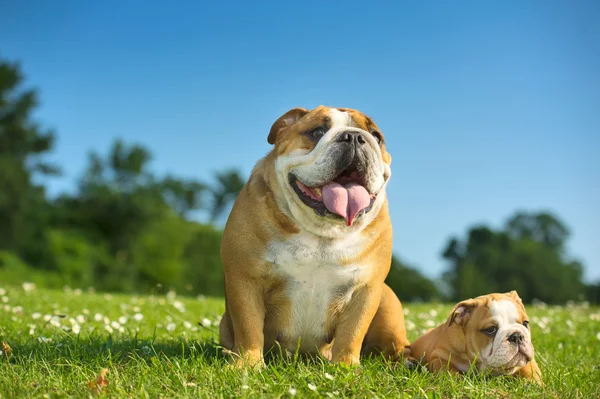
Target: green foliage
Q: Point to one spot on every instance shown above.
(22, 147)
(73, 257)
(526, 256)
(411, 285)
(203, 271)
(13, 270)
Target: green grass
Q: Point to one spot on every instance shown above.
(166, 353)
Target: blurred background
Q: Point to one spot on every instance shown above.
(128, 128)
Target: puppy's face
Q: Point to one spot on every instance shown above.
(332, 168)
(497, 333)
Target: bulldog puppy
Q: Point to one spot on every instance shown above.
(308, 244)
(490, 331)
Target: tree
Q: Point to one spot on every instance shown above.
(409, 284)
(228, 185)
(23, 144)
(527, 256)
(542, 227)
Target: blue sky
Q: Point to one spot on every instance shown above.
(487, 107)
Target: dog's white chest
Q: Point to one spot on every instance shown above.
(314, 280)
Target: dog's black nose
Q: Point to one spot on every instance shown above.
(349, 137)
(516, 338)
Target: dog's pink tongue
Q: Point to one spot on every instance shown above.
(346, 201)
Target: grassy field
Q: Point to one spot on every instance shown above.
(58, 342)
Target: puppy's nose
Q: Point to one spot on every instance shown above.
(516, 338)
(349, 137)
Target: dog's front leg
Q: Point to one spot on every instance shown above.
(353, 323)
(245, 306)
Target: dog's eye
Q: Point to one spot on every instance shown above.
(526, 324)
(317, 133)
(491, 330)
(377, 136)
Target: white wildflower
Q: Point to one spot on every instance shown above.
(179, 306)
(245, 387)
(76, 328)
(171, 327)
(292, 391)
(115, 325)
(98, 316)
(80, 319)
(206, 322)
(27, 286)
(312, 387)
(109, 329)
(187, 324)
(36, 315)
(123, 320)
(138, 316)
(47, 317)
(329, 376)
(5, 299)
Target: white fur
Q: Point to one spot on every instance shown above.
(311, 267)
(310, 165)
(339, 119)
(500, 351)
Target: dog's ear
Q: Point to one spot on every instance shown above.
(514, 295)
(462, 312)
(286, 120)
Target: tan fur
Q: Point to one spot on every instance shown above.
(456, 343)
(257, 305)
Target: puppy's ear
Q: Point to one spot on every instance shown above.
(514, 295)
(462, 312)
(286, 120)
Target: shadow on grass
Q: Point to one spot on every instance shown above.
(119, 349)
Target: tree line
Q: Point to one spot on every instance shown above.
(126, 229)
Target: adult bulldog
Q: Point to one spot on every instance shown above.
(308, 244)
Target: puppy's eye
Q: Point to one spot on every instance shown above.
(317, 133)
(526, 324)
(377, 136)
(491, 330)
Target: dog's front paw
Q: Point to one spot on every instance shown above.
(250, 360)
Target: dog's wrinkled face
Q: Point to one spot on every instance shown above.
(497, 333)
(332, 168)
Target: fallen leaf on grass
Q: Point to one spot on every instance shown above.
(6, 350)
(99, 383)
